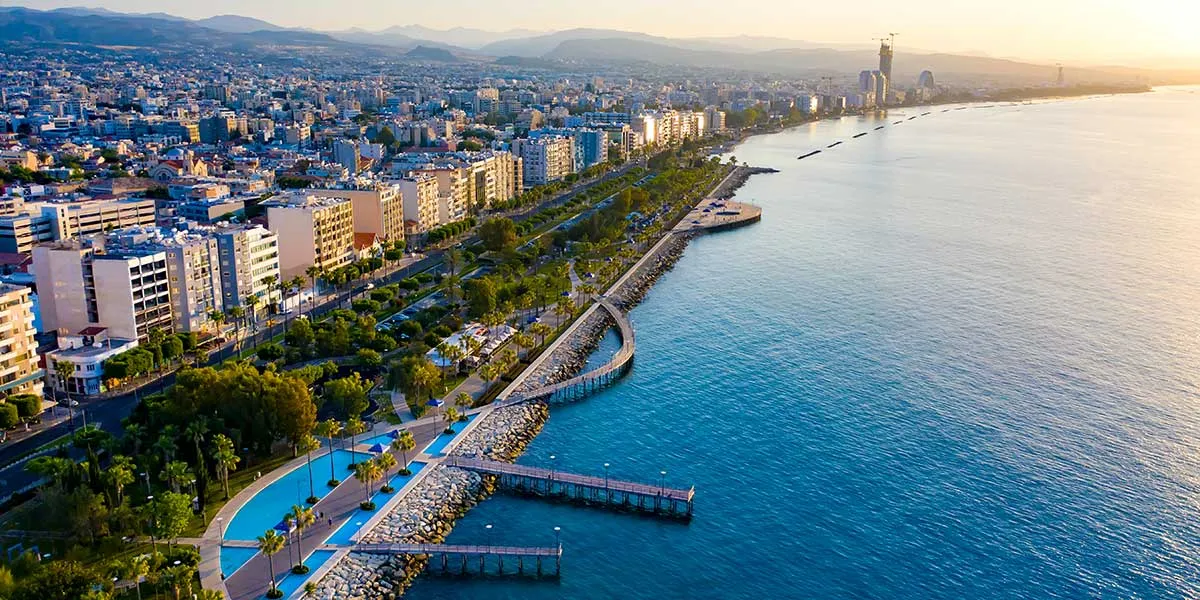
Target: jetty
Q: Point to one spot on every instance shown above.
(480, 556)
(583, 385)
(626, 495)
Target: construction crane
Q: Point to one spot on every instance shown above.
(893, 38)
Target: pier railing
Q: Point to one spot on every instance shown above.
(481, 555)
(582, 385)
(657, 499)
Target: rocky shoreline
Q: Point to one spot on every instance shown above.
(427, 513)
(429, 510)
(737, 179)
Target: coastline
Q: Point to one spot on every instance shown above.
(428, 512)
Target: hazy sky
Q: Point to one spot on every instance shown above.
(1069, 30)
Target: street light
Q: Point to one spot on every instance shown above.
(488, 527)
(146, 476)
(551, 466)
(606, 476)
(557, 539)
(663, 488)
(221, 527)
(153, 520)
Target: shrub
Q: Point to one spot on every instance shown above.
(28, 405)
(270, 351)
(8, 416)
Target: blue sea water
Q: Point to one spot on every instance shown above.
(958, 358)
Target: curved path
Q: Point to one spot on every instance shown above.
(595, 377)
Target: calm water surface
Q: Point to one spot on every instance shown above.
(959, 358)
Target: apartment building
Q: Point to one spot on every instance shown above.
(313, 230)
(124, 289)
(546, 158)
(19, 370)
(249, 259)
(378, 207)
(421, 203)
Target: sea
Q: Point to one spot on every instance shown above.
(958, 358)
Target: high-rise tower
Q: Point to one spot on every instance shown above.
(885, 61)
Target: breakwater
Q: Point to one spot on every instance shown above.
(428, 511)
(737, 179)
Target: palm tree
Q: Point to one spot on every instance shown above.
(386, 462)
(353, 427)
(175, 473)
(252, 301)
(403, 443)
(489, 373)
(195, 431)
(451, 417)
(137, 568)
(133, 433)
(307, 445)
(226, 459)
(366, 472)
(313, 272)
(270, 543)
(51, 467)
(166, 444)
(119, 475)
(541, 330)
(302, 517)
(328, 429)
(211, 595)
(310, 590)
(464, 401)
(236, 314)
(65, 370)
(523, 341)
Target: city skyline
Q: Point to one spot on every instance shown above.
(1152, 31)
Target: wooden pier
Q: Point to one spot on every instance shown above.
(596, 379)
(656, 499)
(477, 559)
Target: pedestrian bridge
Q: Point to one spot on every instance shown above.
(583, 385)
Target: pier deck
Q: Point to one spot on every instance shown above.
(657, 499)
(482, 555)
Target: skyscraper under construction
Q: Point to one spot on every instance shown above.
(885, 67)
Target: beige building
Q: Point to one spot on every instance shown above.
(421, 209)
(195, 276)
(75, 219)
(19, 370)
(378, 208)
(313, 229)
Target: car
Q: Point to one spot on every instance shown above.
(71, 403)
(566, 294)
(590, 275)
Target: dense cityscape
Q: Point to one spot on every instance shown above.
(221, 265)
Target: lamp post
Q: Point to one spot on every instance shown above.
(146, 476)
(662, 490)
(606, 477)
(557, 538)
(153, 521)
(488, 527)
(221, 527)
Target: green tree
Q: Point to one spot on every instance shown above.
(59, 580)
(119, 474)
(175, 473)
(171, 512)
(347, 395)
(498, 234)
(367, 472)
(354, 426)
(9, 416)
(451, 417)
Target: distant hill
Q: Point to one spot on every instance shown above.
(541, 45)
(426, 53)
(462, 37)
(237, 24)
(102, 28)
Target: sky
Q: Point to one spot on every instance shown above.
(1089, 31)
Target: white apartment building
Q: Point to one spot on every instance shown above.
(19, 370)
(545, 159)
(313, 230)
(87, 351)
(249, 258)
(421, 204)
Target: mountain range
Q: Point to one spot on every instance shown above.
(101, 27)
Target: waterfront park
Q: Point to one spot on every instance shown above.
(290, 446)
